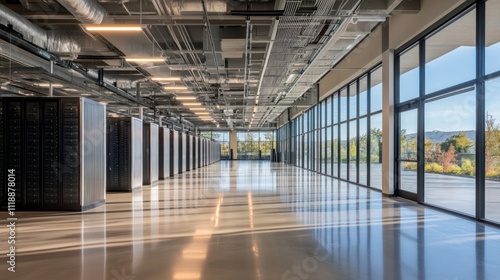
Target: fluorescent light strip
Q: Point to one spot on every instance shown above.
(166, 79)
(197, 109)
(185, 98)
(48, 85)
(117, 28)
(145, 59)
(202, 113)
(175, 88)
(192, 104)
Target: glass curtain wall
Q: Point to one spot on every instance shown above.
(452, 77)
(342, 135)
(255, 145)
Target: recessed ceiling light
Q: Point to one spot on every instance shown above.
(118, 28)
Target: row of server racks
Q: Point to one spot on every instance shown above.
(144, 153)
(64, 153)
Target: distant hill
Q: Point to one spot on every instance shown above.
(441, 136)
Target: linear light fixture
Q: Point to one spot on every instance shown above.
(185, 97)
(114, 28)
(145, 59)
(166, 79)
(48, 85)
(175, 88)
(197, 109)
(201, 113)
(192, 104)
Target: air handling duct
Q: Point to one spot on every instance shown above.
(52, 41)
(86, 11)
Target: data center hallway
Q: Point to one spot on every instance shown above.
(253, 220)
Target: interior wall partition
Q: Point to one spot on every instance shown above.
(52, 153)
(164, 153)
(124, 157)
(150, 153)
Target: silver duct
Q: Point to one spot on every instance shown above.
(86, 11)
(52, 41)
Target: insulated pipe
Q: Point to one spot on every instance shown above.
(51, 41)
(86, 11)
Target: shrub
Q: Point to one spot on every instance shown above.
(493, 174)
(433, 167)
(410, 166)
(453, 169)
(468, 168)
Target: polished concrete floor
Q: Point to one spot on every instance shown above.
(252, 220)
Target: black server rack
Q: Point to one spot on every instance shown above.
(150, 153)
(195, 152)
(124, 169)
(181, 147)
(43, 141)
(188, 152)
(174, 153)
(184, 152)
(164, 154)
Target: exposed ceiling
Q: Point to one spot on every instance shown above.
(245, 62)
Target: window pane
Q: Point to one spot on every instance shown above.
(343, 151)
(323, 151)
(492, 145)
(408, 122)
(335, 151)
(335, 110)
(329, 111)
(376, 90)
(376, 151)
(450, 126)
(409, 78)
(353, 155)
(450, 54)
(328, 151)
(363, 96)
(363, 151)
(492, 36)
(353, 101)
(343, 105)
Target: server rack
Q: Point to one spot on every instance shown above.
(182, 152)
(150, 153)
(189, 150)
(124, 162)
(164, 155)
(57, 147)
(195, 152)
(174, 153)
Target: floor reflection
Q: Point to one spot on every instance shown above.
(254, 220)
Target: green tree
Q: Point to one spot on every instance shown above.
(460, 142)
(492, 143)
(376, 145)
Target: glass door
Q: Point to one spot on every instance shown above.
(407, 154)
